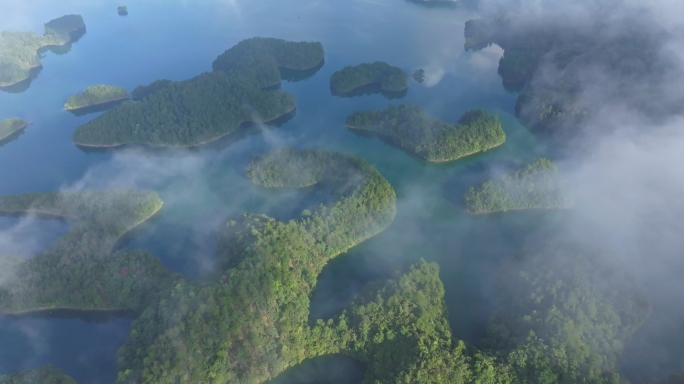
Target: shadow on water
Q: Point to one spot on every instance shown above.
(436, 3)
(244, 131)
(370, 89)
(98, 317)
(294, 76)
(333, 369)
(24, 84)
(12, 137)
(96, 108)
(514, 87)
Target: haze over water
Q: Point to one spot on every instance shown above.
(203, 186)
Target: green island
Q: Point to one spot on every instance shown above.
(19, 51)
(409, 127)
(536, 185)
(11, 126)
(96, 95)
(185, 113)
(388, 77)
(80, 271)
(258, 60)
(564, 315)
(46, 374)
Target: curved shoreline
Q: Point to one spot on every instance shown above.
(44, 309)
(26, 124)
(391, 139)
(185, 146)
(95, 105)
(369, 83)
(466, 210)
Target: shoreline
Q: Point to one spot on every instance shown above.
(186, 146)
(95, 105)
(416, 154)
(26, 125)
(7, 85)
(372, 82)
(45, 309)
(466, 210)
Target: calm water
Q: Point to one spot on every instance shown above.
(203, 186)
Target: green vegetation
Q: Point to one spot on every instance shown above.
(185, 113)
(536, 185)
(142, 91)
(46, 374)
(565, 316)
(97, 94)
(257, 60)
(409, 127)
(10, 126)
(389, 77)
(19, 50)
(419, 75)
(249, 320)
(79, 271)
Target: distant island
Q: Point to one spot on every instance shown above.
(419, 75)
(536, 185)
(185, 113)
(96, 95)
(122, 10)
(388, 77)
(258, 60)
(79, 271)
(409, 127)
(46, 374)
(20, 50)
(10, 126)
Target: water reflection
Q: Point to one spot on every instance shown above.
(294, 76)
(370, 89)
(24, 84)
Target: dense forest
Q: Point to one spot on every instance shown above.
(46, 374)
(258, 60)
(535, 185)
(250, 320)
(10, 126)
(561, 100)
(79, 271)
(97, 94)
(410, 127)
(184, 113)
(19, 50)
(390, 78)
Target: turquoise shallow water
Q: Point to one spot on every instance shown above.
(203, 186)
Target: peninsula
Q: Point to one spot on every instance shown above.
(96, 95)
(388, 77)
(536, 185)
(258, 60)
(185, 113)
(10, 126)
(79, 271)
(409, 127)
(19, 50)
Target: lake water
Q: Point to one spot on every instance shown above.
(203, 186)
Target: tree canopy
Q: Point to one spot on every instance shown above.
(19, 50)
(46, 374)
(410, 127)
(10, 126)
(390, 78)
(97, 94)
(257, 60)
(184, 113)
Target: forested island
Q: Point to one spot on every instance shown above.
(80, 271)
(536, 185)
(388, 77)
(11, 126)
(209, 106)
(96, 95)
(409, 127)
(19, 51)
(258, 60)
(185, 113)
(46, 374)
